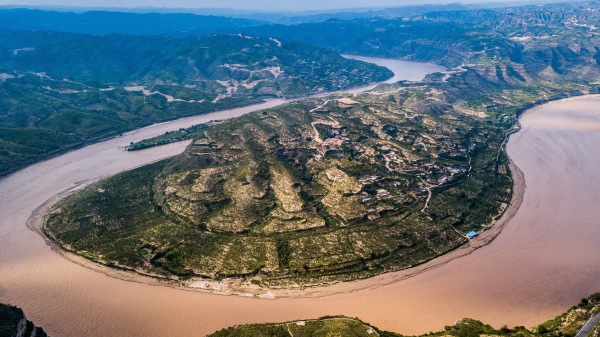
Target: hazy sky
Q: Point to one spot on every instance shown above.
(257, 5)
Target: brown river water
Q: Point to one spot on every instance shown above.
(544, 261)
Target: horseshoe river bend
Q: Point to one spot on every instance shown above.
(544, 260)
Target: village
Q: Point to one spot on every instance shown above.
(415, 161)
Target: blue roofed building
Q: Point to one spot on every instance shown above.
(472, 234)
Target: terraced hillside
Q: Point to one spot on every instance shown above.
(566, 324)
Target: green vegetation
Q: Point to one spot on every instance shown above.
(325, 190)
(322, 327)
(311, 192)
(565, 325)
(13, 323)
(344, 187)
(168, 137)
(59, 91)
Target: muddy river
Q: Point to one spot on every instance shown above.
(543, 262)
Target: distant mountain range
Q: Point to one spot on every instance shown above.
(256, 16)
(101, 22)
(555, 35)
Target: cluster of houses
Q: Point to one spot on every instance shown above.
(336, 139)
(392, 157)
(367, 179)
(381, 193)
(452, 170)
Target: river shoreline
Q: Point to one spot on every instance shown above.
(228, 287)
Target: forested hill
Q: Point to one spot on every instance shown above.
(147, 60)
(59, 90)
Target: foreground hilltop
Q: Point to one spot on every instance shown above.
(13, 323)
(567, 324)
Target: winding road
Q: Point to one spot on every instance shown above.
(543, 262)
(588, 326)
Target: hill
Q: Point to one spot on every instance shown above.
(316, 190)
(554, 35)
(251, 64)
(59, 90)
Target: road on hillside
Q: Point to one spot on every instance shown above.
(587, 327)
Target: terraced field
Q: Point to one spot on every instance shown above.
(307, 193)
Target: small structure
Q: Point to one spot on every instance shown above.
(382, 193)
(472, 234)
(455, 169)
